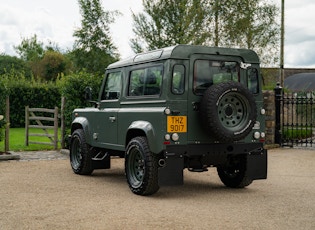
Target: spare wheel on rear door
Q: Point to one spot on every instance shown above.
(228, 111)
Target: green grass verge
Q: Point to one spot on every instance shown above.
(17, 140)
(297, 133)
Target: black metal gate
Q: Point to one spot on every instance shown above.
(295, 116)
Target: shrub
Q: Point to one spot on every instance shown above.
(73, 86)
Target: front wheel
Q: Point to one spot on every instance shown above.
(141, 167)
(234, 174)
(80, 158)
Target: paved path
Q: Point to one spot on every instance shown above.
(43, 155)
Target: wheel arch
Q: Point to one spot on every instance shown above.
(143, 128)
(81, 123)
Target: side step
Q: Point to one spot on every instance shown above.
(204, 169)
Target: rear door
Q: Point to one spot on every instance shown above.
(206, 70)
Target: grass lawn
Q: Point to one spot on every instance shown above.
(17, 140)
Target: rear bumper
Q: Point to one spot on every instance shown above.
(179, 157)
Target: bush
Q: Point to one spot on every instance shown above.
(73, 86)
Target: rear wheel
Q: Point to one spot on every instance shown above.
(80, 158)
(141, 167)
(234, 174)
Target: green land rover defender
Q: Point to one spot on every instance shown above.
(181, 107)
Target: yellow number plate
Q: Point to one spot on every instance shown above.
(177, 124)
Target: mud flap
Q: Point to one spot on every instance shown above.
(101, 163)
(257, 165)
(172, 172)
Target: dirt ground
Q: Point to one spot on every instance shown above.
(46, 194)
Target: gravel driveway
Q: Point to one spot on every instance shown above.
(44, 193)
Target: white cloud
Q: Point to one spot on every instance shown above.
(56, 21)
(299, 33)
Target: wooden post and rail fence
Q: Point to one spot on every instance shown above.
(30, 115)
(46, 123)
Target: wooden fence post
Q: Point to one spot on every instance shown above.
(7, 126)
(56, 128)
(26, 124)
(62, 118)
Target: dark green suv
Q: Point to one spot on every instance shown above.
(178, 107)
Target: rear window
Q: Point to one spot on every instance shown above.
(207, 73)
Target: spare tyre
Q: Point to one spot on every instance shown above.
(228, 111)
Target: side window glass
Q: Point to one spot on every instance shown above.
(252, 82)
(112, 86)
(178, 80)
(146, 81)
(134, 82)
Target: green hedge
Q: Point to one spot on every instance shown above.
(24, 92)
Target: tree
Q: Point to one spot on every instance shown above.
(30, 49)
(250, 24)
(52, 65)
(46, 63)
(93, 48)
(170, 22)
(8, 64)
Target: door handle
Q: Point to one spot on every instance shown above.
(112, 119)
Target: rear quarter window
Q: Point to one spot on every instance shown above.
(146, 81)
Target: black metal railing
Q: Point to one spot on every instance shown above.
(295, 116)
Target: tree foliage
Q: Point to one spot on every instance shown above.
(170, 22)
(46, 63)
(52, 65)
(251, 24)
(30, 49)
(93, 48)
(13, 64)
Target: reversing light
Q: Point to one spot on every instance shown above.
(262, 111)
(167, 137)
(175, 137)
(256, 135)
(262, 135)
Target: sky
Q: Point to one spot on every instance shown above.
(56, 21)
